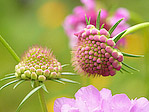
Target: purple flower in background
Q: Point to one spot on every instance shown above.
(89, 99)
(76, 21)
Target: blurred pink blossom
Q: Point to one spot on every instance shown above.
(76, 21)
(89, 99)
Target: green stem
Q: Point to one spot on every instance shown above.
(42, 100)
(12, 52)
(135, 28)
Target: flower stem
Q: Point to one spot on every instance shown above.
(42, 100)
(12, 52)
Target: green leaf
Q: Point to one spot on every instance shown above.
(26, 97)
(87, 22)
(67, 80)
(65, 65)
(135, 28)
(68, 73)
(102, 26)
(132, 55)
(129, 66)
(11, 51)
(10, 74)
(114, 26)
(9, 83)
(44, 87)
(18, 83)
(32, 83)
(58, 81)
(98, 20)
(126, 71)
(6, 78)
(118, 36)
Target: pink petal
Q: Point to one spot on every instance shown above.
(120, 103)
(90, 4)
(88, 98)
(122, 13)
(141, 105)
(105, 94)
(68, 108)
(61, 101)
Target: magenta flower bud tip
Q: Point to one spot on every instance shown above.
(90, 26)
(84, 35)
(91, 37)
(104, 32)
(111, 59)
(95, 58)
(98, 60)
(88, 32)
(119, 67)
(112, 72)
(102, 38)
(110, 67)
(98, 43)
(103, 45)
(94, 31)
(115, 64)
(96, 38)
(120, 58)
(110, 42)
(103, 51)
(109, 49)
(115, 54)
(107, 55)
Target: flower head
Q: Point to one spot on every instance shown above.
(38, 64)
(89, 99)
(95, 53)
(76, 21)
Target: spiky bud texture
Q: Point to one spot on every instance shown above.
(95, 53)
(38, 64)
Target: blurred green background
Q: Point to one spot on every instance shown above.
(24, 23)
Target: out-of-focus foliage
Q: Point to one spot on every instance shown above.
(24, 23)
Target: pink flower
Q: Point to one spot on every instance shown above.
(89, 99)
(76, 21)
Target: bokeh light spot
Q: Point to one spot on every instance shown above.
(52, 14)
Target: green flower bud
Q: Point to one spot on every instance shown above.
(41, 78)
(32, 69)
(37, 67)
(17, 75)
(26, 67)
(18, 72)
(23, 76)
(43, 67)
(27, 73)
(22, 69)
(34, 76)
(46, 73)
(53, 74)
(16, 67)
(39, 71)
